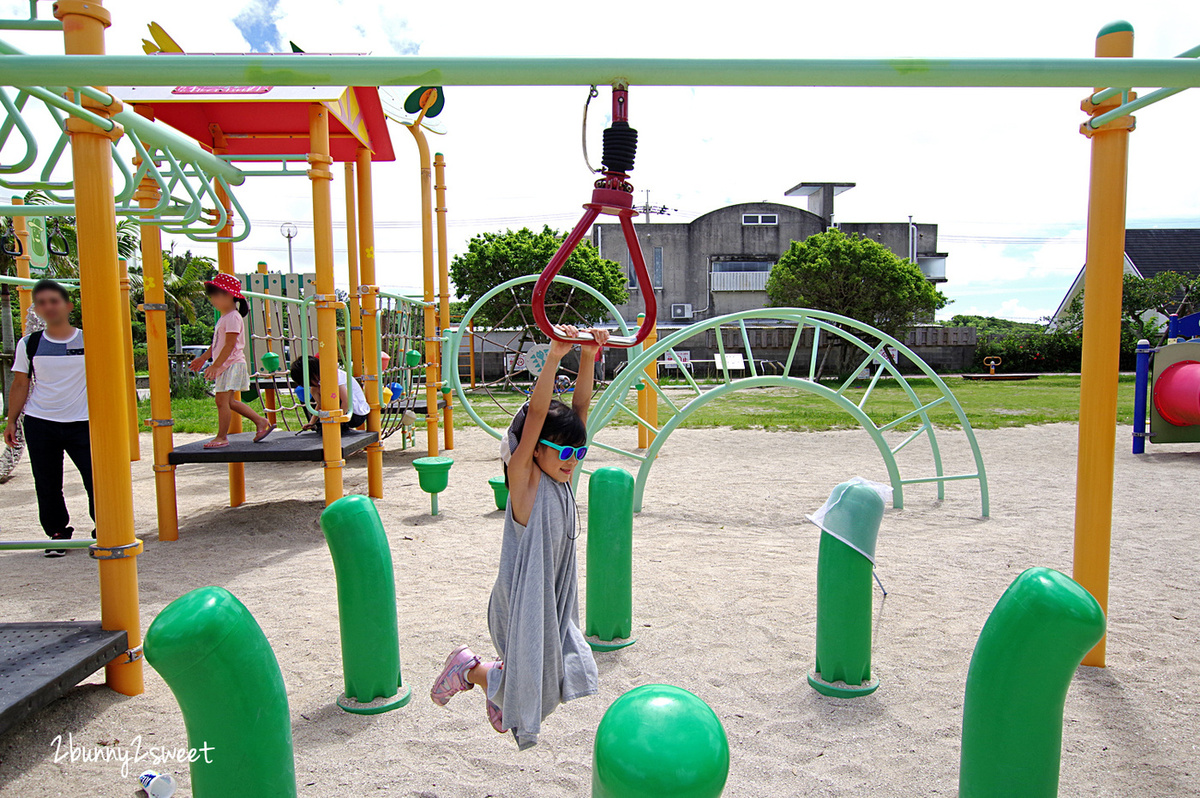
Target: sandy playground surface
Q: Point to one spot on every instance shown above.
(724, 581)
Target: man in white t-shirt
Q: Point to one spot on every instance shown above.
(50, 386)
(350, 393)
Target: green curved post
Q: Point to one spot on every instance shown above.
(212, 654)
(1027, 653)
(366, 588)
(844, 563)
(657, 741)
(609, 623)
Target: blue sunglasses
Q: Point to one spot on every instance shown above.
(567, 452)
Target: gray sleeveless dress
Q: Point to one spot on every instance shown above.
(533, 616)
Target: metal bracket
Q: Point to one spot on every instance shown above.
(330, 418)
(1144, 434)
(356, 328)
(370, 378)
(335, 463)
(153, 306)
(162, 469)
(160, 422)
(115, 552)
(133, 654)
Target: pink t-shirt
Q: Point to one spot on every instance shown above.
(231, 322)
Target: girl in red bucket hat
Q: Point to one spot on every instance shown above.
(228, 354)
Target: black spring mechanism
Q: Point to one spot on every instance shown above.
(620, 147)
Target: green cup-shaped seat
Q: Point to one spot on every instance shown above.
(270, 362)
(500, 491)
(433, 473)
(412, 358)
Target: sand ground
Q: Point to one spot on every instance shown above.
(724, 587)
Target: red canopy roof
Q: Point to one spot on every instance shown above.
(270, 120)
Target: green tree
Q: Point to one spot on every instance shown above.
(993, 325)
(1141, 299)
(856, 277)
(493, 258)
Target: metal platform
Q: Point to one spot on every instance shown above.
(40, 662)
(280, 446)
(420, 409)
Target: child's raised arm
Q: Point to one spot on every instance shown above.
(539, 406)
(584, 383)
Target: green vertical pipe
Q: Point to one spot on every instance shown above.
(843, 663)
(609, 622)
(366, 590)
(1017, 684)
(212, 654)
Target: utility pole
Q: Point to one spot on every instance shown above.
(647, 210)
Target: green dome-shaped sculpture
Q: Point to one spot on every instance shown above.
(657, 741)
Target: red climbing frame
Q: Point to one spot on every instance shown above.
(612, 196)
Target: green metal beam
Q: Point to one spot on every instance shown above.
(335, 70)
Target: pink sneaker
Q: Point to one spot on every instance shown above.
(494, 713)
(453, 678)
(496, 716)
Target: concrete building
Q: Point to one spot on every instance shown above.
(719, 262)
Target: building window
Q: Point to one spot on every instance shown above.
(655, 267)
(743, 265)
(740, 275)
(760, 218)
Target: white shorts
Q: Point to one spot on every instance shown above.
(234, 378)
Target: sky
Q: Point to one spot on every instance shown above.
(1003, 172)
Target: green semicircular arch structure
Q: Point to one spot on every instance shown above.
(832, 327)
(454, 338)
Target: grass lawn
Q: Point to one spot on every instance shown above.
(988, 405)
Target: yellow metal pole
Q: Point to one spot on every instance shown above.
(369, 311)
(84, 22)
(135, 450)
(642, 400)
(650, 394)
(237, 471)
(270, 399)
(320, 176)
(439, 166)
(432, 350)
(24, 292)
(155, 307)
(355, 310)
(1101, 336)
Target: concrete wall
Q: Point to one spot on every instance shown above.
(689, 249)
(894, 235)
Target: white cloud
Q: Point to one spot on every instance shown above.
(982, 163)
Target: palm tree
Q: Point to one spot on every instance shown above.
(183, 286)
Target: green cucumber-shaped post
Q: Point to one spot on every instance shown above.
(656, 741)
(845, 559)
(366, 590)
(212, 654)
(1017, 684)
(609, 622)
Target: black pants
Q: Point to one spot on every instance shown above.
(47, 442)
